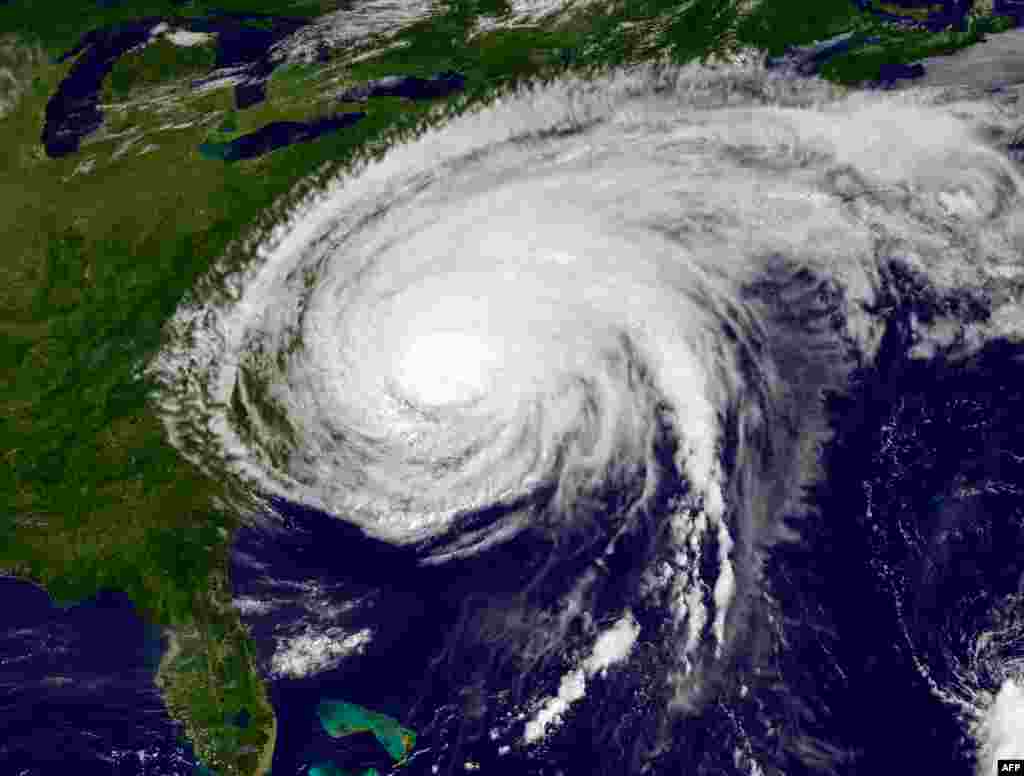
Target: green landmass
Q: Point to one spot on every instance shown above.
(58, 27)
(905, 47)
(159, 62)
(340, 719)
(209, 679)
(914, 13)
(100, 247)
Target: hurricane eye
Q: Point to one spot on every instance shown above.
(447, 367)
(603, 327)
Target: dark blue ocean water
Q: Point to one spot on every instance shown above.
(306, 564)
(918, 540)
(900, 567)
(76, 689)
(913, 554)
(916, 551)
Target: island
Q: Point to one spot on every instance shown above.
(340, 719)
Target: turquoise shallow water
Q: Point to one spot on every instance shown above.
(863, 646)
(870, 586)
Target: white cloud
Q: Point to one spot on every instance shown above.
(312, 652)
(612, 646)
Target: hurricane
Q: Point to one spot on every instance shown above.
(590, 333)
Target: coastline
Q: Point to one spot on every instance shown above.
(173, 650)
(267, 756)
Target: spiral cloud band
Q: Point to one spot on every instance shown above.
(495, 327)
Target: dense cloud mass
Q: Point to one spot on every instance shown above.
(603, 314)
